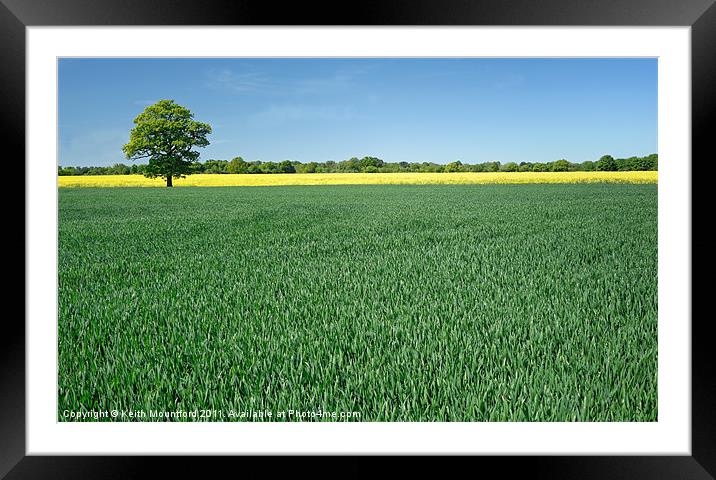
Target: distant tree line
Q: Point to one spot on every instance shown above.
(376, 165)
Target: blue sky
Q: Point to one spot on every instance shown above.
(415, 110)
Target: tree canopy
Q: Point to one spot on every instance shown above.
(373, 164)
(606, 164)
(166, 134)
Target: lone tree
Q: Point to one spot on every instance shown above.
(166, 133)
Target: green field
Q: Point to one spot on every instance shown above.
(403, 303)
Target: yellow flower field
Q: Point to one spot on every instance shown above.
(229, 180)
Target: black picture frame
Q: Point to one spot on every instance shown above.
(700, 15)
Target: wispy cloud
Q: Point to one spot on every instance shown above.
(94, 147)
(333, 83)
(508, 81)
(281, 114)
(239, 82)
(256, 81)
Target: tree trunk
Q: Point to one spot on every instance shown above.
(169, 181)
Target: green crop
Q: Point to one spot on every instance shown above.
(402, 303)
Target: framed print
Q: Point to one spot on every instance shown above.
(414, 230)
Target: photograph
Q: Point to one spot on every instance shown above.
(461, 229)
(357, 239)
